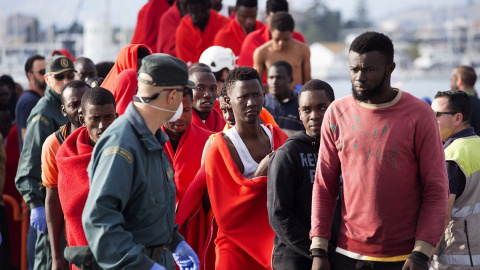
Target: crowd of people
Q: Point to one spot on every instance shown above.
(212, 148)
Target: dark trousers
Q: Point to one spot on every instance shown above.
(5, 245)
(31, 240)
(342, 262)
(43, 254)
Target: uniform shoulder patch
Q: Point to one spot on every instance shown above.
(42, 119)
(118, 151)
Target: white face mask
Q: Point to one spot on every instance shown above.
(175, 117)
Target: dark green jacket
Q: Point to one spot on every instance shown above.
(46, 118)
(131, 203)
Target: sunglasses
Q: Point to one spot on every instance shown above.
(437, 114)
(61, 76)
(155, 96)
(41, 72)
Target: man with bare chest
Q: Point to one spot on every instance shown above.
(283, 47)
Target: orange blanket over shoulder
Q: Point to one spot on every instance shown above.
(232, 36)
(191, 42)
(148, 23)
(139, 33)
(73, 186)
(126, 58)
(245, 238)
(198, 228)
(214, 121)
(166, 32)
(186, 160)
(124, 86)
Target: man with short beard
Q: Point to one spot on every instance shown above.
(34, 69)
(387, 147)
(204, 96)
(71, 97)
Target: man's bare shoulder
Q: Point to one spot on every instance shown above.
(297, 45)
(265, 46)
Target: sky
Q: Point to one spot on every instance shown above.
(123, 13)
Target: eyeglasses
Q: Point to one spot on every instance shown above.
(155, 96)
(437, 114)
(61, 76)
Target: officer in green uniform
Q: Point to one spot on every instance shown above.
(129, 216)
(46, 118)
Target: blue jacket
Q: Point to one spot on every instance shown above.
(285, 113)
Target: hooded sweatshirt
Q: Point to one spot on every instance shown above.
(291, 174)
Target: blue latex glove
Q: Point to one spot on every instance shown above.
(157, 266)
(38, 220)
(0, 238)
(185, 257)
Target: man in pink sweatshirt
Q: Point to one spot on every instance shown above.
(386, 145)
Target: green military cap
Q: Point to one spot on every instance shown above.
(165, 70)
(58, 64)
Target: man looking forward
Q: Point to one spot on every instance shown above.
(291, 174)
(204, 97)
(386, 144)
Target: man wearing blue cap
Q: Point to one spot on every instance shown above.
(129, 216)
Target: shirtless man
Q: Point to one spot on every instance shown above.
(283, 47)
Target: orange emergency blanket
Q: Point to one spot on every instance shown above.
(126, 58)
(124, 87)
(198, 228)
(245, 238)
(214, 121)
(191, 42)
(166, 32)
(73, 184)
(186, 160)
(151, 16)
(232, 36)
(139, 33)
